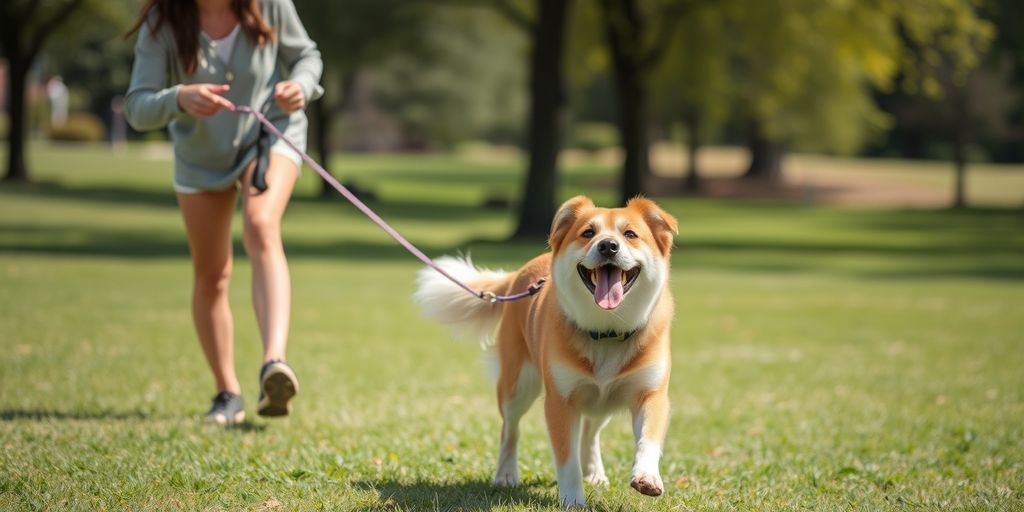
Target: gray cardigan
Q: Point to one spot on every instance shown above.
(210, 153)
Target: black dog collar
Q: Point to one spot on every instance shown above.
(610, 335)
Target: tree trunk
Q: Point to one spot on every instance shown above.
(765, 156)
(692, 182)
(321, 124)
(959, 147)
(17, 170)
(631, 95)
(21, 47)
(633, 130)
(547, 101)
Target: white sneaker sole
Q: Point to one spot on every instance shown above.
(220, 419)
(279, 386)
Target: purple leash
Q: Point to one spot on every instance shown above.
(484, 295)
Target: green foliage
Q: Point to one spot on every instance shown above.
(807, 68)
(445, 72)
(92, 19)
(593, 137)
(823, 359)
(467, 80)
(694, 74)
(91, 53)
(804, 69)
(80, 127)
(352, 34)
(944, 35)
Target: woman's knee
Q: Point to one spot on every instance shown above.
(261, 232)
(212, 280)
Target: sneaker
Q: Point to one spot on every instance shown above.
(227, 409)
(278, 385)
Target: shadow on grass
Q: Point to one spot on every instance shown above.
(994, 257)
(78, 415)
(884, 244)
(113, 195)
(54, 415)
(140, 244)
(467, 496)
(246, 427)
(404, 210)
(166, 198)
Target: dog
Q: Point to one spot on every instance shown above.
(595, 338)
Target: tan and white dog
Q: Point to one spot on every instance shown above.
(595, 338)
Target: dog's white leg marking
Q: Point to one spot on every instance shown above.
(527, 389)
(569, 473)
(590, 451)
(650, 421)
(564, 425)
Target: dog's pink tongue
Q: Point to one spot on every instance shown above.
(608, 291)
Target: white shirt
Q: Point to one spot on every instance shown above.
(224, 45)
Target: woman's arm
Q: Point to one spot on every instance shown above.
(298, 53)
(150, 103)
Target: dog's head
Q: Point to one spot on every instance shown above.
(610, 264)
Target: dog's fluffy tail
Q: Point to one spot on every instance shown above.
(445, 302)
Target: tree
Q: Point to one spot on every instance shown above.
(459, 86)
(636, 49)
(1008, 50)
(957, 102)
(352, 35)
(692, 85)
(545, 24)
(25, 26)
(91, 53)
(810, 85)
(546, 118)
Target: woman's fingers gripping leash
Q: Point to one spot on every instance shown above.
(289, 96)
(204, 100)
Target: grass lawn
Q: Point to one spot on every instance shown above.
(824, 359)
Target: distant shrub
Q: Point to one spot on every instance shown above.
(3, 125)
(80, 127)
(593, 137)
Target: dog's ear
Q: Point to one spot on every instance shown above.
(566, 216)
(662, 224)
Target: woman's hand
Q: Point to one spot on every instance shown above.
(289, 96)
(203, 100)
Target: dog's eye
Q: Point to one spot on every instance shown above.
(589, 233)
(630, 233)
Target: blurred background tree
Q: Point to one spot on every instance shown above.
(26, 30)
(693, 86)
(354, 35)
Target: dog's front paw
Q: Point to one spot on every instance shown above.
(596, 479)
(506, 479)
(648, 484)
(573, 501)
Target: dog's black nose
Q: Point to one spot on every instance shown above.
(608, 248)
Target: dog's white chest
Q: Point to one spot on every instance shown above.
(606, 387)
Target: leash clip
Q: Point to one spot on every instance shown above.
(489, 296)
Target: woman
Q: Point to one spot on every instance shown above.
(195, 60)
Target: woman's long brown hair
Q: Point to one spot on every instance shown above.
(183, 17)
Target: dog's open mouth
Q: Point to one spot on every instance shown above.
(608, 283)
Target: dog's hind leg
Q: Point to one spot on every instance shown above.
(518, 388)
(590, 451)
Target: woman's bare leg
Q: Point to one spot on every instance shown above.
(271, 283)
(207, 218)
